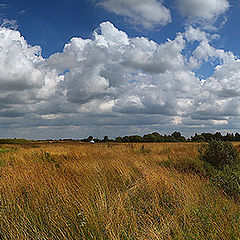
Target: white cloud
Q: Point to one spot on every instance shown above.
(176, 120)
(225, 82)
(139, 74)
(151, 57)
(219, 122)
(24, 82)
(208, 14)
(148, 13)
(113, 79)
(110, 36)
(7, 23)
(3, 5)
(195, 34)
(202, 9)
(205, 52)
(17, 59)
(22, 12)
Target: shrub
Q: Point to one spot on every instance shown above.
(219, 154)
(221, 165)
(227, 178)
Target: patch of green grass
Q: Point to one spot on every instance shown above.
(3, 160)
(14, 141)
(4, 150)
(186, 165)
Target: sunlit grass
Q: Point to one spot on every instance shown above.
(111, 191)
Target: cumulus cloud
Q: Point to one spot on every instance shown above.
(140, 76)
(195, 34)
(22, 79)
(134, 72)
(225, 82)
(151, 57)
(17, 71)
(148, 13)
(113, 79)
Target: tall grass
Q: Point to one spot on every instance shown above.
(111, 191)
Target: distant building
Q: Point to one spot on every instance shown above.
(92, 141)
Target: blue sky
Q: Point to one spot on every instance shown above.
(51, 24)
(70, 69)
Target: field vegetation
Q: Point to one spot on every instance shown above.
(113, 191)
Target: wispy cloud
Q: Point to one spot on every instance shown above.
(147, 13)
(22, 12)
(3, 5)
(7, 23)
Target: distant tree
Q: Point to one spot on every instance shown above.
(126, 139)
(153, 137)
(197, 138)
(96, 140)
(229, 137)
(135, 138)
(118, 139)
(208, 137)
(90, 138)
(237, 137)
(105, 139)
(150, 138)
(177, 137)
(167, 138)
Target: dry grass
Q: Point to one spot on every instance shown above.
(110, 191)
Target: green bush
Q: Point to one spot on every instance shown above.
(221, 165)
(219, 154)
(227, 178)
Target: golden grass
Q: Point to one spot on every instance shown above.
(110, 191)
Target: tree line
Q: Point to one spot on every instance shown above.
(174, 137)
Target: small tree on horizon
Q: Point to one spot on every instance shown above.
(105, 139)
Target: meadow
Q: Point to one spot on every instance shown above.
(111, 191)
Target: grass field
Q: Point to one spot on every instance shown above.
(111, 191)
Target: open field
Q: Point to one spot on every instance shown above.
(111, 191)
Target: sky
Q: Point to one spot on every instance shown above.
(70, 69)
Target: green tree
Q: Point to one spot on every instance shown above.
(105, 139)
